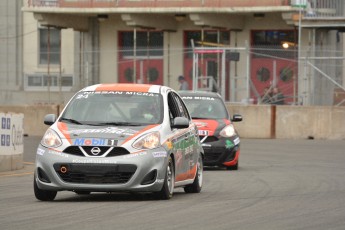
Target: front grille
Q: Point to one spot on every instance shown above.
(115, 151)
(96, 173)
(213, 153)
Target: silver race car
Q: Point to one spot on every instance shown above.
(120, 137)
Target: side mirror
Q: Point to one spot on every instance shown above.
(180, 123)
(49, 119)
(236, 118)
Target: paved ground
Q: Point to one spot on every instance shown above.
(281, 184)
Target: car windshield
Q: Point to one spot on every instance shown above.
(205, 107)
(114, 108)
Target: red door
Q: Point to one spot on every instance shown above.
(267, 72)
(147, 71)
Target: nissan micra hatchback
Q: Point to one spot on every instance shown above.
(218, 135)
(120, 137)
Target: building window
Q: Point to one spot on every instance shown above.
(39, 82)
(49, 38)
(268, 43)
(147, 44)
(211, 38)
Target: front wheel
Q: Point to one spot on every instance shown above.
(169, 182)
(43, 195)
(197, 183)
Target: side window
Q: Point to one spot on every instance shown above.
(182, 108)
(173, 108)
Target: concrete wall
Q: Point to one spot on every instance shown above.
(290, 122)
(259, 121)
(33, 117)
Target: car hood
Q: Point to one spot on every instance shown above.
(212, 126)
(101, 135)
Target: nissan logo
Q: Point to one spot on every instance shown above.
(95, 151)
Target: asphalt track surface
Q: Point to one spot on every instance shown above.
(280, 184)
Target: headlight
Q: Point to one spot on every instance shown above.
(228, 131)
(148, 141)
(51, 139)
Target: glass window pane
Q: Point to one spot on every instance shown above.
(66, 81)
(54, 48)
(34, 81)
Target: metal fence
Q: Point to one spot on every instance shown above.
(324, 9)
(158, 3)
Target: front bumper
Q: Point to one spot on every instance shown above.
(221, 152)
(137, 172)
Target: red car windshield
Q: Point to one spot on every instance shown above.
(205, 107)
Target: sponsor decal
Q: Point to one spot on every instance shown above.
(84, 141)
(228, 144)
(237, 141)
(52, 152)
(8, 140)
(141, 94)
(85, 95)
(159, 181)
(93, 161)
(3, 140)
(110, 130)
(8, 123)
(40, 151)
(200, 124)
(3, 123)
(198, 98)
(160, 154)
(134, 155)
(178, 156)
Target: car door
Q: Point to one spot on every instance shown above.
(188, 143)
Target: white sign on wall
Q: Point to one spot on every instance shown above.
(11, 133)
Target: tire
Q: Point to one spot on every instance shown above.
(168, 187)
(198, 180)
(43, 195)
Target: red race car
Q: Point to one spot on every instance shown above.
(219, 138)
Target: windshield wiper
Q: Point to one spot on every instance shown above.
(70, 120)
(120, 123)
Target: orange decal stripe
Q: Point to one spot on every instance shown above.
(234, 161)
(140, 132)
(124, 87)
(190, 174)
(63, 129)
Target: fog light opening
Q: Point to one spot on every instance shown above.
(42, 176)
(150, 177)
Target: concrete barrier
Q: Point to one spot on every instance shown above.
(259, 121)
(319, 122)
(11, 141)
(33, 116)
(290, 122)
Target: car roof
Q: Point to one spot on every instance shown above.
(198, 93)
(132, 87)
